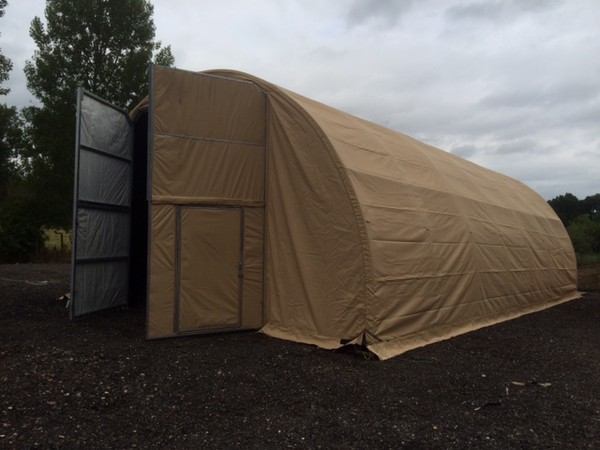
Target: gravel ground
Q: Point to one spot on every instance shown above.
(96, 383)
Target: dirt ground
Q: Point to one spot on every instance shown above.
(96, 383)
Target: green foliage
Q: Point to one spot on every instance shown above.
(20, 234)
(566, 207)
(164, 57)
(585, 234)
(5, 63)
(104, 46)
(9, 132)
(591, 205)
(588, 259)
(582, 221)
(8, 118)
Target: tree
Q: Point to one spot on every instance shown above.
(104, 46)
(7, 117)
(5, 63)
(591, 206)
(585, 235)
(17, 237)
(164, 56)
(566, 207)
(582, 221)
(9, 136)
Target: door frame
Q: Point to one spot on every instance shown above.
(178, 254)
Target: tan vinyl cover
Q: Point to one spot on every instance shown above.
(208, 154)
(370, 236)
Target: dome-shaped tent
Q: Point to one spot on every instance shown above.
(269, 210)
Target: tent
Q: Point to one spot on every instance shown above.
(225, 202)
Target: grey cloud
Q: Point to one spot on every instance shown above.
(540, 96)
(476, 10)
(464, 151)
(501, 11)
(519, 146)
(385, 12)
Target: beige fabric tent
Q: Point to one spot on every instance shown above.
(271, 211)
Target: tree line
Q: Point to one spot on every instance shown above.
(582, 220)
(104, 46)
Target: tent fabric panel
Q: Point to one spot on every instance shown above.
(253, 276)
(404, 334)
(408, 243)
(390, 193)
(414, 225)
(445, 233)
(315, 285)
(201, 105)
(202, 169)
(93, 227)
(403, 170)
(397, 261)
(103, 285)
(440, 302)
(107, 180)
(210, 256)
(161, 291)
(104, 128)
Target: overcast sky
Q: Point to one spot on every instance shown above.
(513, 85)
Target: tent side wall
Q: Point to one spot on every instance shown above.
(207, 180)
(454, 246)
(317, 290)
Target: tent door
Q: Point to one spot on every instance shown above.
(102, 206)
(209, 269)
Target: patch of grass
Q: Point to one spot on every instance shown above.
(57, 246)
(57, 239)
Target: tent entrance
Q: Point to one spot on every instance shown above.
(210, 262)
(138, 267)
(207, 171)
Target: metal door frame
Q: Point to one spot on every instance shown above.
(178, 253)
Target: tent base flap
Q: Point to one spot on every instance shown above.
(326, 342)
(393, 347)
(386, 349)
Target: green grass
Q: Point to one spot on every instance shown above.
(53, 241)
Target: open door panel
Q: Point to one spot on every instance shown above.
(102, 206)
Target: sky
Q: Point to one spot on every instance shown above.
(512, 85)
